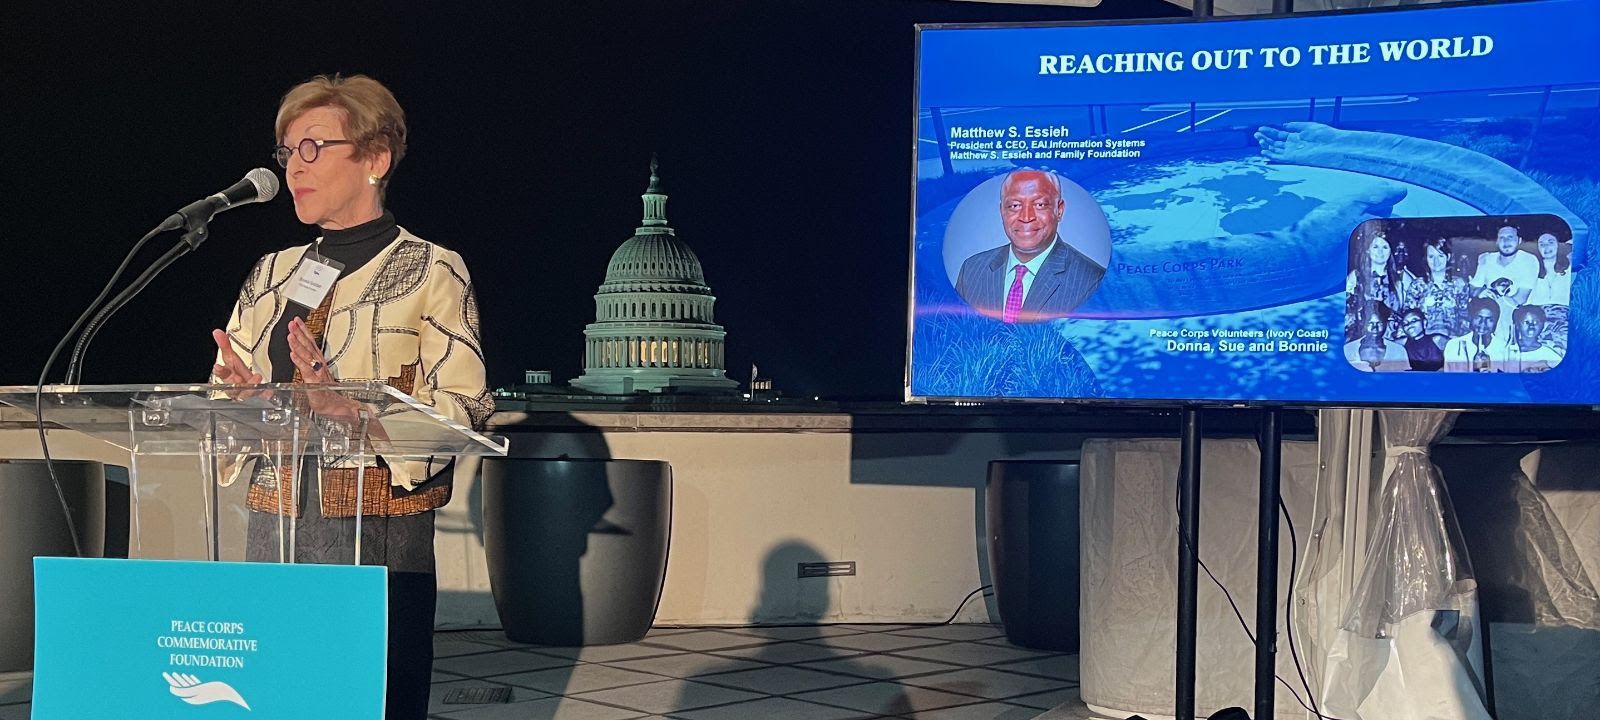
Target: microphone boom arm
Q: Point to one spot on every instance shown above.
(186, 244)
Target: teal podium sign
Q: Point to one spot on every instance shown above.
(208, 640)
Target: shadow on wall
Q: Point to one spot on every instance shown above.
(901, 458)
(562, 544)
(581, 442)
(959, 456)
(798, 605)
(786, 597)
(941, 460)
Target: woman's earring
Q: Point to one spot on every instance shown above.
(372, 179)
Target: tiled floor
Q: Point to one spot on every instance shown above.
(829, 672)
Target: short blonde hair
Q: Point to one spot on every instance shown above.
(373, 119)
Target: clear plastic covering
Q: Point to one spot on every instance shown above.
(1409, 645)
(1539, 575)
(1417, 560)
(1531, 516)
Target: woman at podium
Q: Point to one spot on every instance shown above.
(365, 301)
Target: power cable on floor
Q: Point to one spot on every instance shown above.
(1294, 545)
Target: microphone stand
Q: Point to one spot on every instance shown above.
(196, 234)
(190, 240)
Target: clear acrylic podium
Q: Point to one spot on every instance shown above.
(225, 472)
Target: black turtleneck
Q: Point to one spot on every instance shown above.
(350, 247)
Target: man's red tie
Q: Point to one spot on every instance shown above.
(1014, 297)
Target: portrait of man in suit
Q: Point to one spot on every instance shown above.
(1037, 275)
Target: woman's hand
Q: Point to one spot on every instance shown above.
(232, 370)
(307, 357)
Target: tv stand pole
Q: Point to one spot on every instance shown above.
(1188, 532)
(1270, 441)
(1188, 559)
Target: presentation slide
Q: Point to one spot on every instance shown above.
(1374, 208)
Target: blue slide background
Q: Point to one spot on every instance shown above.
(1507, 133)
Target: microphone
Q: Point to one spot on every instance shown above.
(258, 185)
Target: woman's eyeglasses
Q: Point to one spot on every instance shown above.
(308, 148)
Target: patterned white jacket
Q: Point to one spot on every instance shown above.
(408, 318)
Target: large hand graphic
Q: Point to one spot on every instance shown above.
(1483, 182)
(195, 692)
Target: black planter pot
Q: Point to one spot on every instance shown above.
(31, 524)
(577, 549)
(1031, 508)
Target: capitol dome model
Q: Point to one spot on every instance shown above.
(653, 328)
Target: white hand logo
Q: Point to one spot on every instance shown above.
(195, 692)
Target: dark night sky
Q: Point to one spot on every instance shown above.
(783, 126)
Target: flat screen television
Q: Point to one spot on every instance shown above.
(1388, 208)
